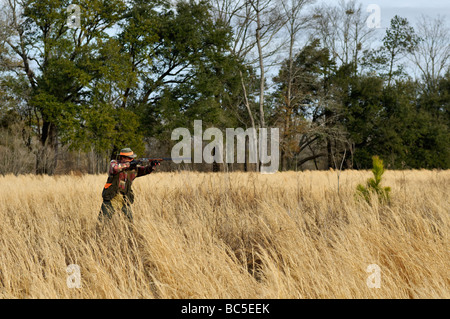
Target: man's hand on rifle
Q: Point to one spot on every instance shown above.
(133, 164)
(154, 163)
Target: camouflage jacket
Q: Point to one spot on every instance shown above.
(120, 178)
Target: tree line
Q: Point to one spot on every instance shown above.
(130, 72)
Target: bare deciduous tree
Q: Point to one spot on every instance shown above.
(432, 54)
(255, 24)
(342, 29)
(296, 21)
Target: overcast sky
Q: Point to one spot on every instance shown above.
(410, 9)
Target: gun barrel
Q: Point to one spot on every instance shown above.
(165, 159)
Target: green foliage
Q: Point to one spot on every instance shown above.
(400, 39)
(138, 69)
(373, 185)
(302, 86)
(193, 76)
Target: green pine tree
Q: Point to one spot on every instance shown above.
(373, 184)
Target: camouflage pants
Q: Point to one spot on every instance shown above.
(109, 207)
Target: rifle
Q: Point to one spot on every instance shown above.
(157, 161)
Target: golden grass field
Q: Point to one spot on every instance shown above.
(227, 235)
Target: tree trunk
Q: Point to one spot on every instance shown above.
(329, 154)
(250, 114)
(215, 165)
(246, 156)
(261, 69)
(47, 154)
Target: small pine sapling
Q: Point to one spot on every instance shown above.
(373, 184)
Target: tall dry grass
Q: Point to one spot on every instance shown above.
(227, 235)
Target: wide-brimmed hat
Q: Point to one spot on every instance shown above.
(127, 152)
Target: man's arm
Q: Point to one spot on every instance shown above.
(145, 170)
(116, 167)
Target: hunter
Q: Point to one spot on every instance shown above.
(117, 193)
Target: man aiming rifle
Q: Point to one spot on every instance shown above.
(117, 193)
